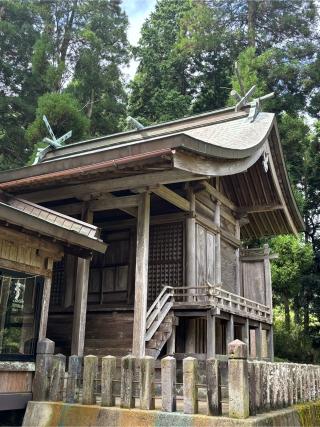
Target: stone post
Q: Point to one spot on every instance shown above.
(90, 370)
(57, 374)
(127, 373)
(285, 384)
(257, 376)
(290, 384)
(168, 384)
(40, 388)
(147, 366)
(74, 378)
(214, 387)
(252, 388)
(238, 380)
(190, 390)
(108, 371)
(265, 390)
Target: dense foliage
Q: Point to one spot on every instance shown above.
(64, 59)
(59, 58)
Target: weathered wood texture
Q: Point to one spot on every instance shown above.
(141, 276)
(228, 267)
(106, 332)
(81, 296)
(45, 307)
(205, 256)
(253, 281)
(19, 382)
(15, 256)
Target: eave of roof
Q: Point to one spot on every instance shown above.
(38, 219)
(223, 134)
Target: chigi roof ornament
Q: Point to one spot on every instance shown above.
(243, 98)
(54, 143)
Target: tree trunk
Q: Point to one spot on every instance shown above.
(296, 309)
(287, 313)
(90, 105)
(306, 318)
(252, 15)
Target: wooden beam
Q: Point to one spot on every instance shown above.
(211, 335)
(219, 196)
(190, 277)
(237, 253)
(204, 200)
(45, 303)
(172, 197)
(81, 295)
(217, 222)
(280, 194)
(54, 249)
(110, 185)
(24, 268)
(259, 208)
(141, 276)
(127, 204)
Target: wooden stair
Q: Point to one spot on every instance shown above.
(160, 336)
(159, 324)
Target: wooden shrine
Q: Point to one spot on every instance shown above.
(177, 204)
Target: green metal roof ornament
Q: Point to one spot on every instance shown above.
(243, 97)
(53, 143)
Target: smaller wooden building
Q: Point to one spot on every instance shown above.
(32, 239)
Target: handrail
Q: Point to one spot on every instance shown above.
(239, 297)
(155, 302)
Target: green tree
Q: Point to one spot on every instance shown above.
(75, 46)
(82, 46)
(294, 262)
(97, 82)
(160, 89)
(63, 113)
(17, 27)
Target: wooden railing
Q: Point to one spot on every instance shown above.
(215, 296)
(158, 311)
(229, 301)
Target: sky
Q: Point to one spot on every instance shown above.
(137, 11)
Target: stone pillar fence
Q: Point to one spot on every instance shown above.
(236, 388)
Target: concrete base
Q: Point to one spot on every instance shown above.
(45, 414)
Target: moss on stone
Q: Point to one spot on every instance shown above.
(309, 414)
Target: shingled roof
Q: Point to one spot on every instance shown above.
(224, 143)
(70, 232)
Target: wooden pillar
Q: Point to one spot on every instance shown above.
(4, 297)
(81, 295)
(259, 341)
(217, 221)
(267, 276)
(191, 336)
(238, 266)
(246, 335)
(171, 343)
(141, 276)
(270, 344)
(211, 335)
(45, 302)
(190, 279)
(230, 330)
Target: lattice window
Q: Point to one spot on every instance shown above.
(57, 287)
(165, 257)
